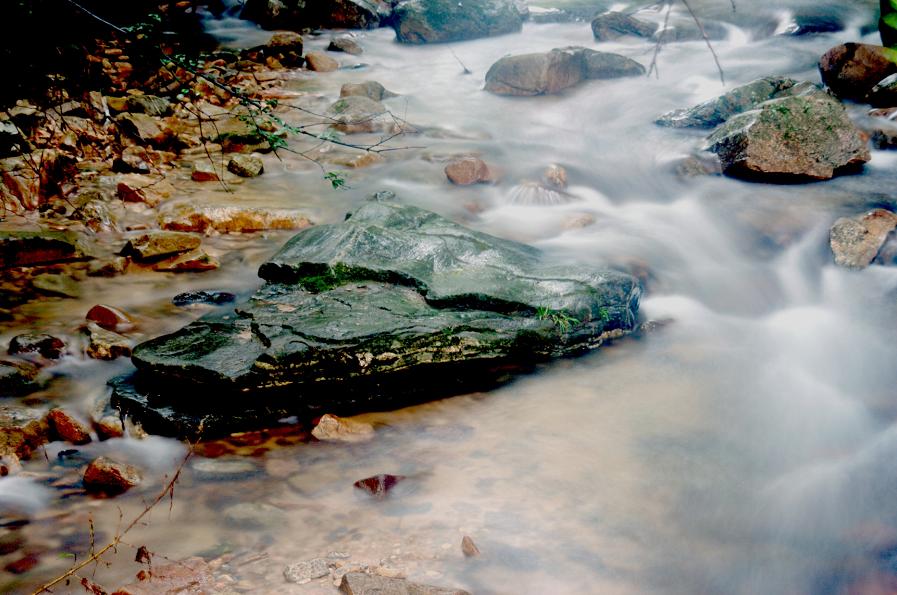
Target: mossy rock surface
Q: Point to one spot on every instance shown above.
(393, 300)
(793, 139)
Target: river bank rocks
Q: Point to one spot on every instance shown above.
(552, 72)
(437, 21)
(857, 241)
(793, 138)
(359, 583)
(182, 217)
(298, 15)
(30, 248)
(424, 305)
(852, 70)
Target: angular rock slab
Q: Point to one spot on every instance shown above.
(394, 301)
(792, 139)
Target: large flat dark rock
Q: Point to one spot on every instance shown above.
(394, 301)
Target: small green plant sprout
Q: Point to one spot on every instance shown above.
(603, 314)
(336, 179)
(560, 318)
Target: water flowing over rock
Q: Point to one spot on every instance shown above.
(556, 70)
(370, 89)
(714, 112)
(612, 25)
(794, 138)
(851, 70)
(394, 303)
(432, 21)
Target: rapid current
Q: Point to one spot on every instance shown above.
(749, 445)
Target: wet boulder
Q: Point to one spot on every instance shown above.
(321, 62)
(884, 93)
(66, 426)
(468, 170)
(110, 477)
(370, 89)
(394, 303)
(29, 248)
(856, 241)
(245, 166)
(22, 430)
(360, 114)
(18, 377)
(361, 583)
(156, 245)
(346, 45)
(47, 346)
(714, 112)
(556, 70)
(613, 25)
(790, 139)
(535, 74)
(434, 21)
(851, 70)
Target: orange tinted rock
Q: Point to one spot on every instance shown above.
(110, 477)
(320, 62)
(110, 318)
(67, 427)
(467, 171)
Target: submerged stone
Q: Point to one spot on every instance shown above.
(394, 302)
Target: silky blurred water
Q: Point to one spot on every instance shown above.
(747, 446)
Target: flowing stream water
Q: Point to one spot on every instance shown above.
(747, 446)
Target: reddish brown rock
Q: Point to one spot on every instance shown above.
(109, 426)
(320, 62)
(110, 318)
(67, 427)
(48, 346)
(203, 171)
(851, 70)
(138, 188)
(379, 486)
(467, 171)
(469, 548)
(110, 477)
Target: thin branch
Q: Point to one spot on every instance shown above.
(119, 535)
(722, 75)
(657, 46)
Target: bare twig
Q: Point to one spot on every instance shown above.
(722, 75)
(96, 556)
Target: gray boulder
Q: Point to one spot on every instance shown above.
(393, 303)
(790, 139)
(857, 241)
(556, 70)
(434, 21)
(612, 25)
(714, 112)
